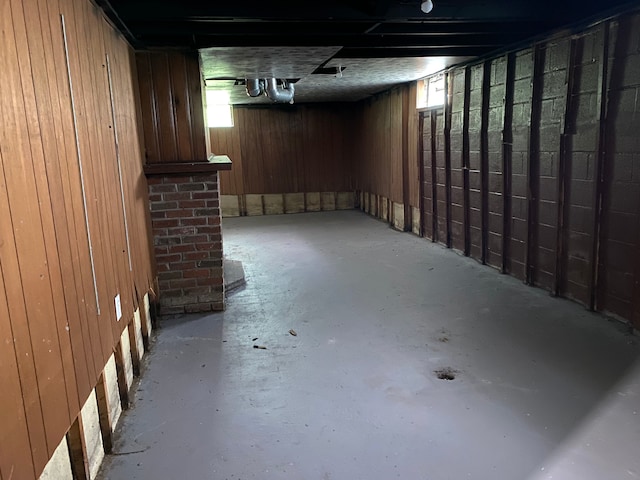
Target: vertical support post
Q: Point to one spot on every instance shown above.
(448, 89)
(104, 414)
(484, 159)
(434, 187)
(562, 168)
(406, 197)
(602, 104)
(532, 162)
(78, 451)
(465, 159)
(123, 388)
(507, 151)
(421, 171)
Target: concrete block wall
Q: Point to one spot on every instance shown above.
(381, 207)
(284, 203)
(544, 179)
(59, 466)
(185, 215)
(618, 273)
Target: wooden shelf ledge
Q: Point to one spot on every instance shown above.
(213, 164)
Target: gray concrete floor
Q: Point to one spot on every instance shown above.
(543, 389)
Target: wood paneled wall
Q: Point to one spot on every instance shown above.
(172, 107)
(540, 177)
(70, 153)
(287, 149)
(386, 146)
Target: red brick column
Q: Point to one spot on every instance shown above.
(185, 215)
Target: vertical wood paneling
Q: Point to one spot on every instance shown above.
(47, 173)
(148, 107)
(179, 82)
(393, 126)
(22, 438)
(58, 342)
(88, 143)
(16, 460)
(79, 292)
(165, 113)
(413, 149)
(286, 150)
(22, 172)
(172, 107)
(226, 141)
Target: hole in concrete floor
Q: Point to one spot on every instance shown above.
(446, 373)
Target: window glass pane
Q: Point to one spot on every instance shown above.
(219, 112)
(435, 94)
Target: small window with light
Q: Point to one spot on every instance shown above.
(431, 92)
(219, 110)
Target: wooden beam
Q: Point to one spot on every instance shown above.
(565, 137)
(78, 451)
(507, 151)
(484, 159)
(532, 163)
(598, 184)
(448, 88)
(102, 397)
(121, 371)
(434, 187)
(421, 170)
(465, 160)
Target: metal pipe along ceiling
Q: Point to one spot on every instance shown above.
(283, 95)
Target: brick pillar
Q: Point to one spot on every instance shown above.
(185, 215)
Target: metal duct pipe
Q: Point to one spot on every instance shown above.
(255, 87)
(283, 95)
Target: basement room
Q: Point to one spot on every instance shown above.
(350, 239)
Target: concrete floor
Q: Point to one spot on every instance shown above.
(542, 388)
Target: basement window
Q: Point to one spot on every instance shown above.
(219, 110)
(431, 92)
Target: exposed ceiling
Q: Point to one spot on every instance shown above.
(339, 50)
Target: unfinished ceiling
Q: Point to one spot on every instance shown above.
(339, 50)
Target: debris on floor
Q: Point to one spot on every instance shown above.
(446, 373)
(260, 347)
(293, 332)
